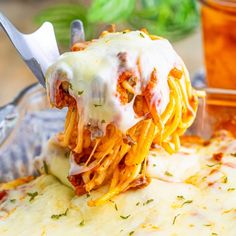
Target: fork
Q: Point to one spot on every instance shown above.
(39, 50)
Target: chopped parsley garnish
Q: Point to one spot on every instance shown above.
(154, 165)
(45, 167)
(174, 220)
(230, 189)
(225, 179)
(32, 195)
(80, 92)
(233, 154)
(187, 202)
(97, 105)
(148, 201)
(103, 121)
(180, 197)
(214, 165)
(168, 173)
(12, 200)
(137, 204)
(88, 195)
(116, 207)
(142, 35)
(82, 223)
(204, 178)
(215, 234)
(131, 233)
(125, 217)
(56, 217)
(207, 225)
(67, 154)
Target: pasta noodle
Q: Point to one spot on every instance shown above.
(119, 159)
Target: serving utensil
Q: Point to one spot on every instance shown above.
(39, 50)
(76, 32)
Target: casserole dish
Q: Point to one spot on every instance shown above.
(52, 208)
(28, 122)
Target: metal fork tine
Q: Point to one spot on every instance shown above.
(77, 32)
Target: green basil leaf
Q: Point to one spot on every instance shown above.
(61, 17)
(110, 11)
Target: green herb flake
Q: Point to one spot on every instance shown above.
(125, 217)
(175, 218)
(230, 189)
(82, 223)
(187, 202)
(32, 196)
(67, 154)
(207, 225)
(204, 178)
(137, 204)
(168, 173)
(214, 234)
(214, 165)
(115, 205)
(103, 121)
(45, 167)
(142, 35)
(180, 197)
(131, 233)
(154, 165)
(148, 201)
(233, 154)
(225, 179)
(97, 105)
(12, 200)
(80, 92)
(56, 217)
(88, 195)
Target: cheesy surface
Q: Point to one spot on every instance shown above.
(125, 91)
(192, 192)
(94, 71)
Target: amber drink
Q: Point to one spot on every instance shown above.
(219, 36)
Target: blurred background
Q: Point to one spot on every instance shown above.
(177, 20)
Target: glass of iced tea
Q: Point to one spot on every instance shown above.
(219, 35)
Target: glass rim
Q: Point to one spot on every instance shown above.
(223, 5)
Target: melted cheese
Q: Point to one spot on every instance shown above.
(163, 208)
(21, 216)
(196, 197)
(93, 75)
